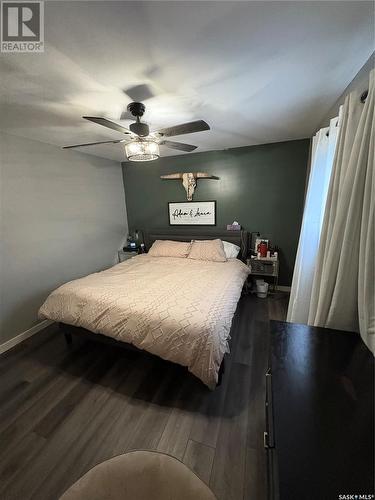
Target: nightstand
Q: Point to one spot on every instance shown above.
(265, 267)
(125, 255)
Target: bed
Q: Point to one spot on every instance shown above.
(176, 308)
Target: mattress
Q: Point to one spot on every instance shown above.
(178, 309)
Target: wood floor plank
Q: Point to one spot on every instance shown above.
(243, 343)
(154, 418)
(40, 400)
(19, 458)
(65, 410)
(207, 418)
(123, 417)
(35, 343)
(199, 458)
(102, 407)
(12, 390)
(31, 362)
(46, 379)
(227, 478)
(64, 406)
(278, 306)
(178, 427)
(67, 443)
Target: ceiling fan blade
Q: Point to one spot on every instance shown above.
(92, 144)
(184, 128)
(108, 124)
(178, 145)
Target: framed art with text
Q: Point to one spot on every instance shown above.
(192, 213)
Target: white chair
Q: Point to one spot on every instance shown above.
(139, 475)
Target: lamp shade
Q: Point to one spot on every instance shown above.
(142, 150)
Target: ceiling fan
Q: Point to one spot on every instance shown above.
(140, 143)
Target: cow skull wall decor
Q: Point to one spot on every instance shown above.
(189, 180)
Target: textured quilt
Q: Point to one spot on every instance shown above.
(179, 309)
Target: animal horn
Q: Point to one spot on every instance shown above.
(202, 175)
(171, 176)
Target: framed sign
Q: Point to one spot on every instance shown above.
(192, 213)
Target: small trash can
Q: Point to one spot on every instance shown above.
(262, 289)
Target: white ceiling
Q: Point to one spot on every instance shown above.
(257, 72)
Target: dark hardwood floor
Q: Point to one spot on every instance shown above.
(63, 410)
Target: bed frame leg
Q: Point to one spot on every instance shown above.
(68, 338)
(221, 373)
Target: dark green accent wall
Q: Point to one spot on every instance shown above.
(260, 186)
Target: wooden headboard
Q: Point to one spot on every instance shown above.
(239, 238)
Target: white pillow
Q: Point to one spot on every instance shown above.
(231, 250)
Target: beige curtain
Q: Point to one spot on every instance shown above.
(343, 285)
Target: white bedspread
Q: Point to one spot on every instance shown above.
(179, 309)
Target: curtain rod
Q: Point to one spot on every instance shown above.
(362, 99)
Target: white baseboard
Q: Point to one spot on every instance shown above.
(24, 335)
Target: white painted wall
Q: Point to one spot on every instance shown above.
(62, 216)
(360, 82)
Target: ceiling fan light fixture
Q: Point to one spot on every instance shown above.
(142, 150)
